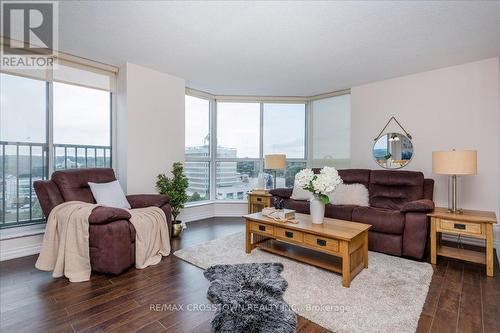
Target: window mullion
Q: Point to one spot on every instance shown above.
(213, 147)
(50, 128)
(261, 139)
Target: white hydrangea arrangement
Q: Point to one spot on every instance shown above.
(319, 184)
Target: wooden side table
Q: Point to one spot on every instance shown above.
(471, 223)
(257, 202)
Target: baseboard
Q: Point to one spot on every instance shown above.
(22, 251)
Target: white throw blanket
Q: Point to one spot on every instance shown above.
(65, 248)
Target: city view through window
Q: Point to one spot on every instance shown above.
(81, 138)
(238, 159)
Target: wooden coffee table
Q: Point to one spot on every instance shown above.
(336, 245)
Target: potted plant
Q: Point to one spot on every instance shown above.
(175, 188)
(320, 185)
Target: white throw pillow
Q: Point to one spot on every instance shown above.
(350, 194)
(109, 194)
(299, 193)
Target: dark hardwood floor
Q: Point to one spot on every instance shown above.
(460, 299)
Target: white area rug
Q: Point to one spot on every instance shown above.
(388, 296)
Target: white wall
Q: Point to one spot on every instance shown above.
(150, 134)
(454, 107)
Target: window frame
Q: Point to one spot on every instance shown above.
(213, 159)
(48, 147)
(210, 149)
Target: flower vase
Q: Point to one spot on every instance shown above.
(317, 208)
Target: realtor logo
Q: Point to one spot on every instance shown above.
(29, 33)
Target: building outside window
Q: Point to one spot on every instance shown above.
(243, 132)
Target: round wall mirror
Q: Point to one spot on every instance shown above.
(393, 150)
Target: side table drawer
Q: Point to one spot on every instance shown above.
(323, 243)
(289, 235)
(461, 227)
(262, 228)
(257, 200)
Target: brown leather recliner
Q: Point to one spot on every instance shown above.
(399, 203)
(111, 235)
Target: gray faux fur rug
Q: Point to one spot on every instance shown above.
(249, 299)
(388, 296)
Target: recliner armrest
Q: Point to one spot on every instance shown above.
(284, 193)
(418, 206)
(147, 200)
(104, 214)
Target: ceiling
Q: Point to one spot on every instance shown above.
(281, 48)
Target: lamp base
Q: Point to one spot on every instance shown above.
(453, 200)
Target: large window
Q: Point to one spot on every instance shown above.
(23, 147)
(238, 128)
(243, 132)
(82, 127)
(197, 151)
(78, 136)
(285, 130)
(331, 132)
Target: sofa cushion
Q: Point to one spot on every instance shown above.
(300, 206)
(382, 220)
(393, 189)
(385, 243)
(74, 186)
(342, 212)
(282, 192)
(352, 176)
(109, 194)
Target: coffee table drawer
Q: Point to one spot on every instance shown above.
(461, 227)
(323, 243)
(262, 228)
(289, 235)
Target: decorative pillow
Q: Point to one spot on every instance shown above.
(299, 193)
(109, 194)
(350, 194)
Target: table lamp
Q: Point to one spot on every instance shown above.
(275, 162)
(454, 163)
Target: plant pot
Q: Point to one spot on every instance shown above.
(177, 229)
(317, 208)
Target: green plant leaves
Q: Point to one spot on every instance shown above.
(174, 187)
(324, 198)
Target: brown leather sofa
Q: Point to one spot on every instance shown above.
(111, 235)
(399, 202)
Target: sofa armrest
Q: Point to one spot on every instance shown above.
(284, 193)
(418, 206)
(103, 214)
(147, 200)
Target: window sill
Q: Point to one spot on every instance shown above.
(22, 231)
(204, 203)
(198, 203)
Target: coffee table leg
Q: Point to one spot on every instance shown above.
(365, 249)
(346, 264)
(248, 238)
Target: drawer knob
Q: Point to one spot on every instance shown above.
(459, 226)
(289, 234)
(262, 228)
(321, 242)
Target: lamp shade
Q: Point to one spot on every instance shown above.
(454, 162)
(275, 162)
